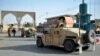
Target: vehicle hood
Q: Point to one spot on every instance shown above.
(75, 30)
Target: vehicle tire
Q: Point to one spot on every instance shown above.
(85, 48)
(39, 42)
(90, 36)
(27, 35)
(69, 46)
(22, 34)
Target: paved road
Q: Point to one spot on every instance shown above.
(27, 47)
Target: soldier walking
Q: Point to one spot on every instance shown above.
(9, 32)
(14, 31)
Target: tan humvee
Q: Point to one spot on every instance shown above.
(62, 33)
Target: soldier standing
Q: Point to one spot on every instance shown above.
(9, 31)
(14, 31)
(22, 32)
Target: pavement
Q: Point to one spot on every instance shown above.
(17, 46)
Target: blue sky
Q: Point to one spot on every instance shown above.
(47, 8)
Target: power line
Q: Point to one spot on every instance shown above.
(41, 15)
(67, 10)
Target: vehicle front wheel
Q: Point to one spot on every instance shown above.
(39, 42)
(69, 46)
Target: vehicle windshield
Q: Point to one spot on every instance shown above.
(76, 25)
(90, 26)
(69, 22)
(27, 24)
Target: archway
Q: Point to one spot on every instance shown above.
(8, 20)
(18, 15)
(27, 19)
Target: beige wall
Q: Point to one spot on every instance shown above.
(5, 28)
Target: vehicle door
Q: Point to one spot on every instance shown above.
(47, 36)
(55, 36)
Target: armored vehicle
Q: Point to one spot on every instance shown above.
(61, 31)
(27, 30)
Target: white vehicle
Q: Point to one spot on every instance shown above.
(28, 31)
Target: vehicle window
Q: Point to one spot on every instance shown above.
(69, 22)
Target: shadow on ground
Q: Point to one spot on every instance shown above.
(33, 48)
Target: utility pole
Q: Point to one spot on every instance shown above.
(80, 41)
(82, 1)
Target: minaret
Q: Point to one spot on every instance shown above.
(84, 16)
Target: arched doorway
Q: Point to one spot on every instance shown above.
(27, 19)
(8, 20)
(18, 15)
